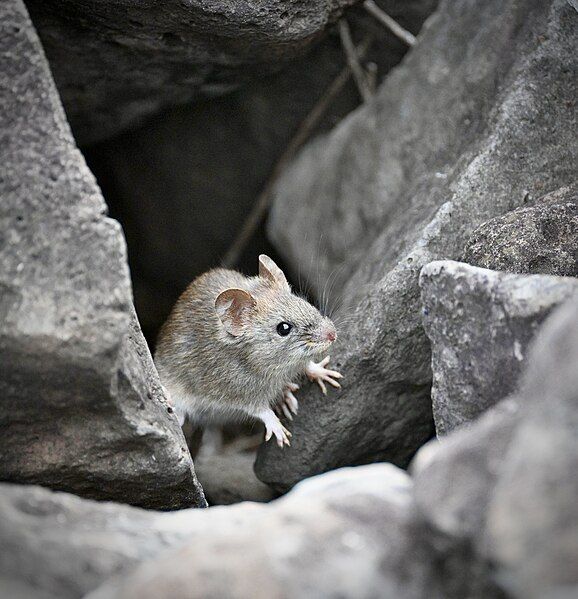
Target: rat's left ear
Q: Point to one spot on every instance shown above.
(270, 271)
(235, 308)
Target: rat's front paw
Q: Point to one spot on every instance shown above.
(317, 373)
(289, 404)
(273, 426)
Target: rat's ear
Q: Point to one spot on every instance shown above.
(270, 271)
(234, 308)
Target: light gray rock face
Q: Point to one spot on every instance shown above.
(229, 478)
(474, 119)
(342, 534)
(539, 239)
(115, 62)
(532, 522)
(81, 405)
(480, 323)
(56, 544)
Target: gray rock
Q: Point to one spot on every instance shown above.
(116, 62)
(475, 118)
(532, 521)
(56, 544)
(81, 405)
(453, 483)
(342, 534)
(454, 478)
(229, 478)
(480, 323)
(539, 239)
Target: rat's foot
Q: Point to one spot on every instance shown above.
(289, 404)
(273, 426)
(317, 373)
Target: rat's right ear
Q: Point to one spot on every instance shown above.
(270, 271)
(234, 308)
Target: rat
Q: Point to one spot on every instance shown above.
(233, 346)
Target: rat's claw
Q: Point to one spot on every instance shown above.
(286, 411)
(317, 373)
(274, 427)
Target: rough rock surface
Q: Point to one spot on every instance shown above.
(532, 522)
(82, 408)
(115, 62)
(478, 115)
(480, 323)
(455, 477)
(212, 159)
(65, 546)
(353, 522)
(229, 478)
(538, 239)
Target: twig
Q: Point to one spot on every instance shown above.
(403, 34)
(303, 132)
(353, 60)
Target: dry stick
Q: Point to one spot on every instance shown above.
(301, 135)
(403, 34)
(353, 61)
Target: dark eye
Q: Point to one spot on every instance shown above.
(284, 328)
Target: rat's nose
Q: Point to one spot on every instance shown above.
(330, 334)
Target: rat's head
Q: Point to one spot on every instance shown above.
(279, 326)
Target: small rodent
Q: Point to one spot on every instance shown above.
(233, 346)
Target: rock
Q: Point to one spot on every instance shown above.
(352, 521)
(532, 521)
(475, 118)
(454, 485)
(54, 544)
(229, 478)
(480, 323)
(82, 409)
(540, 239)
(213, 159)
(115, 63)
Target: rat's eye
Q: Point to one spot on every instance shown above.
(284, 328)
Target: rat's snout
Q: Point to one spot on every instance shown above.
(328, 332)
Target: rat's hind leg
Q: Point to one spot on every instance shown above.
(273, 426)
(288, 404)
(317, 373)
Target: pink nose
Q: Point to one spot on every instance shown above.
(330, 336)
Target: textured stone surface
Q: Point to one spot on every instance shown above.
(182, 184)
(478, 115)
(539, 239)
(229, 478)
(455, 477)
(56, 544)
(338, 535)
(115, 62)
(532, 522)
(480, 323)
(81, 406)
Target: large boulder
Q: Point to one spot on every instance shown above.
(184, 182)
(63, 546)
(116, 62)
(532, 520)
(498, 499)
(343, 534)
(538, 239)
(476, 117)
(480, 323)
(81, 404)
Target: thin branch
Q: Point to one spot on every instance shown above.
(403, 34)
(307, 126)
(353, 60)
